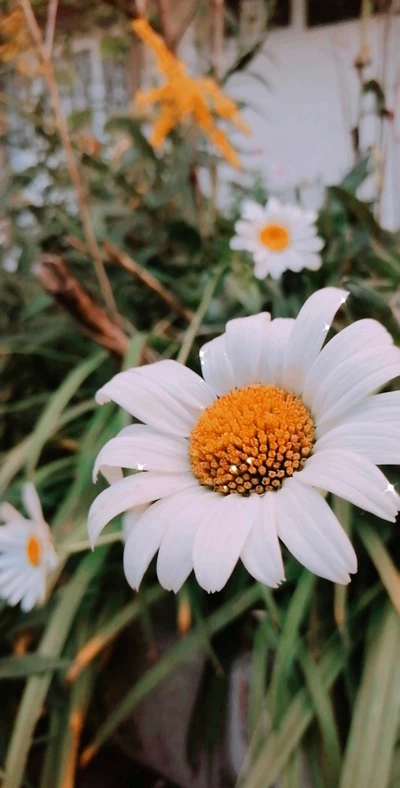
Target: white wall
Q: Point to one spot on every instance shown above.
(301, 123)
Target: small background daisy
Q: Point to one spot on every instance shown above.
(279, 237)
(27, 555)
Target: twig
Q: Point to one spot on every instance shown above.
(218, 36)
(194, 326)
(165, 16)
(51, 26)
(55, 276)
(126, 262)
(44, 52)
(188, 19)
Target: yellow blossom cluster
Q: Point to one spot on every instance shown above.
(16, 43)
(182, 97)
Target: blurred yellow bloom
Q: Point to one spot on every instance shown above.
(14, 35)
(16, 44)
(183, 97)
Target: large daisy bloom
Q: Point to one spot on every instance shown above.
(228, 464)
(279, 237)
(27, 555)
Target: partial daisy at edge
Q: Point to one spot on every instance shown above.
(231, 463)
(27, 554)
(280, 237)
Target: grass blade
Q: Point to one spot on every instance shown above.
(383, 563)
(57, 404)
(287, 645)
(374, 729)
(51, 645)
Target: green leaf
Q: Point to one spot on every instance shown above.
(52, 413)
(287, 645)
(51, 645)
(80, 119)
(29, 664)
(131, 127)
(374, 727)
(388, 573)
(280, 745)
(326, 719)
(357, 175)
(357, 209)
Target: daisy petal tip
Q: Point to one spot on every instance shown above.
(102, 398)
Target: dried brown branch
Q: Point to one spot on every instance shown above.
(126, 262)
(186, 22)
(218, 43)
(165, 16)
(55, 276)
(51, 26)
(44, 51)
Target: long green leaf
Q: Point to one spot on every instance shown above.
(384, 565)
(273, 757)
(56, 406)
(28, 665)
(50, 646)
(374, 727)
(286, 651)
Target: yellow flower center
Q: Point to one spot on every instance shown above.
(33, 551)
(251, 440)
(275, 237)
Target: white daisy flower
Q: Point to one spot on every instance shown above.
(280, 238)
(27, 555)
(234, 461)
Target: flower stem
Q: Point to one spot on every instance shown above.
(191, 332)
(79, 547)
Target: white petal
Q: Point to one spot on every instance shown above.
(133, 491)
(145, 537)
(147, 450)
(246, 230)
(312, 261)
(345, 346)
(31, 502)
(312, 533)
(182, 383)
(32, 596)
(216, 368)
(16, 593)
(352, 477)
(9, 514)
(261, 269)
(165, 402)
(175, 557)
(239, 244)
(261, 553)
(308, 335)
(220, 539)
(379, 443)
(252, 211)
(380, 408)
(130, 518)
(15, 535)
(278, 333)
(314, 244)
(245, 340)
(356, 378)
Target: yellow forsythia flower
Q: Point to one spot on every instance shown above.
(182, 97)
